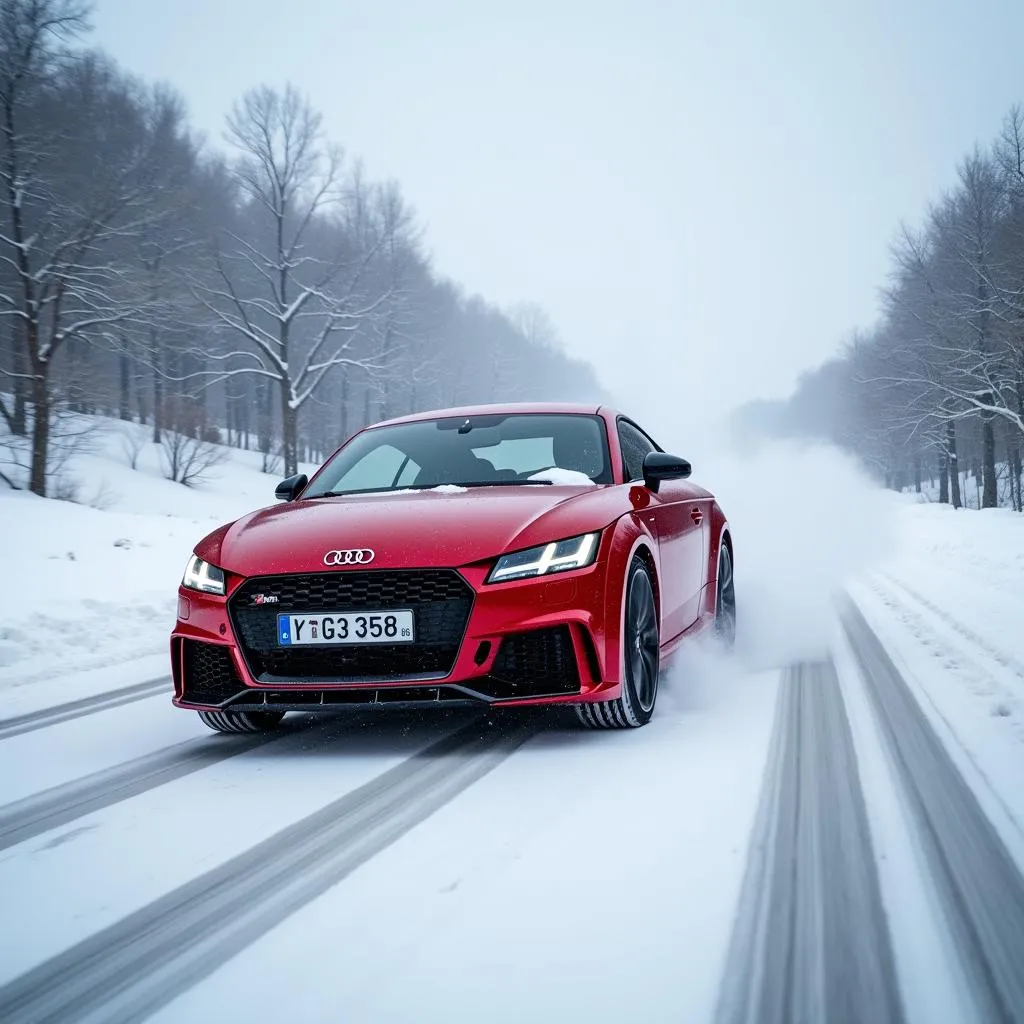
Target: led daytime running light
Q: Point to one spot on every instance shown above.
(202, 576)
(542, 561)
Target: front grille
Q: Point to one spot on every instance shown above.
(440, 600)
(209, 676)
(535, 664)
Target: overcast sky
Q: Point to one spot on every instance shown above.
(702, 195)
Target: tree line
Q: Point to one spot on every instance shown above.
(935, 390)
(271, 296)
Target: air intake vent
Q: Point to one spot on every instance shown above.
(540, 663)
(209, 675)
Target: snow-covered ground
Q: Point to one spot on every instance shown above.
(949, 607)
(575, 865)
(90, 594)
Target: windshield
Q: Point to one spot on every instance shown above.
(481, 451)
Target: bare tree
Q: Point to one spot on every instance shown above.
(939, 384)
(67, 201)
(400, 275)
(189, 453)
(534, 323)
(291, 286)
(137, 273)
(133, 443)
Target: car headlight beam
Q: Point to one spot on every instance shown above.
(559, 556)
(202, 576)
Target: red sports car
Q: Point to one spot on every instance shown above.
(500, 555)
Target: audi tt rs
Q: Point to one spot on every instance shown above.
(498, 556)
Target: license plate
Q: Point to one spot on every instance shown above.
(325, 628)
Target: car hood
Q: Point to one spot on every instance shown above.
(423, 529)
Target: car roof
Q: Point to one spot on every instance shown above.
(564, 408)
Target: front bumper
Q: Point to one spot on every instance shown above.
(541, 641)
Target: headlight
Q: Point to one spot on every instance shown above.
(560, 556)
(200, 575)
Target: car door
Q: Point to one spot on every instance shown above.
(681, 528)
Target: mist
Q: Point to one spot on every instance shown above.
(702, 197)
(806, 516)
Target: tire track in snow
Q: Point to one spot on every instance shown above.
(86, 706)
(810, 941)
(983, 645)
(129, 970)
(43, 812)
(25, 819)
(978, 884)
(970, 667)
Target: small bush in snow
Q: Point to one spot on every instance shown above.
(66, 488)
(132, 443)
(104, 497)
(188, 460)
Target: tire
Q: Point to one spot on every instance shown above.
(641, 663)
(725, 601)
(242, 721)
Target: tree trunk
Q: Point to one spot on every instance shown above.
(158, 392)
(1013, 452)
(264, 424)
(202, 411)
(141, 399)
(244, 413)
(124, 393)
(233, 411)
(944, 477)
(1015, 464)
(40, 431)
(954, 465)
(990, 497)
(344, 408)
(384, 401)
(18, 417)
(917, 472)
(289, 446)
(73, 393)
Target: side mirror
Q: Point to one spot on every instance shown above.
(287, 489)
(660, 466)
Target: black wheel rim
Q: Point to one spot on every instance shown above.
(642, 641)
(725, 614)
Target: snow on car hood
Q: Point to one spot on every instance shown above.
(412, 528)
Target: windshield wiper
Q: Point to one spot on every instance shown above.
(499, 483)
(430, 487)
(373, 490)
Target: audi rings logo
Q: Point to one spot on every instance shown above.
(353, 556)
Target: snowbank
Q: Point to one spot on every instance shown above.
(94, 587)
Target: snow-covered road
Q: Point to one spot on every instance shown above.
(811, 942)
(403, 862)
(802, 844)
(830, 824)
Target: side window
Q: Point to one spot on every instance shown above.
(634, 447)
